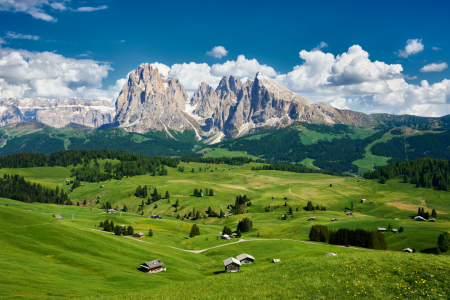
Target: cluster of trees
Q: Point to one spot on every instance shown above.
(432, 145)
(117, 229)
(213, 214)
(343, 236)
(285, 145)
(424, 172)
(245, 225)
(425, 214)
(240, 203)
(293, 168)
(89, 174)
(227, 230)
(311, 207)
(15, 187)
(322, 128)
(194, 231)
(239, 161)
(199, 192)
(141, 192)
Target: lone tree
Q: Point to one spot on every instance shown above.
(167, 195)
(150, 233)
(194, 231)
(433, 213)
(130, 230)
(211, 192)
(444, 241)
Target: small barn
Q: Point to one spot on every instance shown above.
(119, 182)
(394, 230)
(432, 220)
(59, 217)
(380, 229)
(276, 260)
(153, 266)
(226, 237)
(102, 186)
(82, 184)
(286, 198)
(408, 250)
(274, 197)
(349, 214)
(92, 208)
(111, 211)
(138, 234)
(245, 259)
(371, 201)
(363, 200)
(334, 220)
(156, 217)
(68, 180)
(419, 218)
(312, 218)
(231, 264)
(234, 235)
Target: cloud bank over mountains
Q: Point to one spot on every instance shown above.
(348, 80)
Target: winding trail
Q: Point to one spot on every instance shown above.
(240, 241)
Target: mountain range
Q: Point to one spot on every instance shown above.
(150, 101)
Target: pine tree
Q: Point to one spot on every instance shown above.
(444, 241)
(197, 216)
(101, 224)
(194, 231)
(211, 193)
(167, 195)
(238, 234)
(291, 211)
(433, 213)
(150, 233)
(130, 230)
(111, 228)
(118, 230)
(389, 227)
(400, 230)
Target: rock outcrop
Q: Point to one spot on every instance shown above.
(56, 112)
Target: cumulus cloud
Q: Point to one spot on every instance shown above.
(434, 67)
(13, 35)
(90, 9)
(241, 67)
(218, 52)
(162, 68)
(320, 46)
(413, 46)
(47, 74)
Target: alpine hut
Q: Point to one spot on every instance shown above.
(419, 218)
(245, 259)
(363, 200)
(153, 266)
(380, 229)
(276, 260)
(59, 217)
(231, 264)
(138, 234)
(408, 250)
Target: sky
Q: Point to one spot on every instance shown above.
(370, 56)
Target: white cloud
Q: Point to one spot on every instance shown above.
(434, 67)
(2, 41)
(13, 35)
(122, 41)
(217, 52)
(90, 9)
(192, 74)
(320, 46)
(50, 75)
(162, 68)
(413, 46)
(241, 67)
(436, 48)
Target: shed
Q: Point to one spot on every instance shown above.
(102, 186)
(245, 259)
(380, 229)
(111, 211)
(234, 234)
(59, 217)
(419, 218)
(68, 180)
(408, 250)
(286, 198)
(432, 220)
(334, 220)
(138, 234)
(7, 204)
(349, 214)
(371, 201)
(226, 237)
(273, 197)
(153, 266)
(312, 218)
(363, 200)
(394, 230)
(231, 264)
(276, 260)
(216, 179)
(330, 254)
(82, 184)
(119, 182)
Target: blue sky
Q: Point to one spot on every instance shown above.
(108, 39)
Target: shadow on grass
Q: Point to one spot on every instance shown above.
(429, 251)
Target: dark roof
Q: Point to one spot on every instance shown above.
(153, 264)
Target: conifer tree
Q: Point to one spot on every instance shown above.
(197, 216)
(130, 230)
(167, 195)
(118, 230)
(444, 241)
(211, 193)
(111, 228)
(150, 233)
(238, 233)
(433, 213)
(194, 231)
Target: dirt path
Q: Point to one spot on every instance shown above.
(240, 241)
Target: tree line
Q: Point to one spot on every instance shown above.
(345, 236)
(311, 207)
(424, 172)
(15, 187)
(239, 161)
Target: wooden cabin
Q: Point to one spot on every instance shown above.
(138, 234)
(408, 250)
(153, 266)
(245, 259)
(363, 200)
(432, 220)
(394, 230)
(381, 229)
(313, 218)
(349, 214)
(334, 220)
(102, 186)
(111, 211)
(59, 217)
(231, 264)
(419, 218)
(276, 260)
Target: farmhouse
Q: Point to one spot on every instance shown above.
(231, 264)
(313, 218)
(381, 229)
(432, 220)
(111, 211)
(419, 218)
(245, 259)
(408, 250)
(276, 260)
(334, 220)
(349, 214)
(102, 186)
(59, 217)
(363, 200)
(234, 235)
(138, 234)
(226, 237)
(153, 266)
(394, 230)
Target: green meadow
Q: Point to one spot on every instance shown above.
(70, 258)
